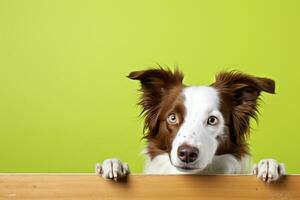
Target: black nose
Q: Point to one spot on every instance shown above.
(187, 153)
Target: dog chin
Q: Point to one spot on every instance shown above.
(188, 169)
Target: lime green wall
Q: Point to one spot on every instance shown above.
(65, 102)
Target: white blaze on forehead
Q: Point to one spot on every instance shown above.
(200, 101)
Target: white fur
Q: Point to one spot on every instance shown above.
(160, 165)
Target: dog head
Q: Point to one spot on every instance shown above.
(194, 123)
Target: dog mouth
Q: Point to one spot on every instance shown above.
(186, 168)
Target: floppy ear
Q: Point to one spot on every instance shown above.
(242, 92)
(154, 84)
(157, 79)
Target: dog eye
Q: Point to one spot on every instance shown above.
(212, 120)
(172, 119)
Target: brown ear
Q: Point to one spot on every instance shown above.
(157, 79)
(241, 92)
(154, 84)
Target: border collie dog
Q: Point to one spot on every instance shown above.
(198, 129)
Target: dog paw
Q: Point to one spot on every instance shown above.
(269, 170)
(112, 169)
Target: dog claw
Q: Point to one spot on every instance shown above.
(264, 176)
(270, 176)
(98, 169)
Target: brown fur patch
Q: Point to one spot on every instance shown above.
(161, 89)
(162, 142)
(239, 94)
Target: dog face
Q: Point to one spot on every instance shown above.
(194, 123)
(196, 140)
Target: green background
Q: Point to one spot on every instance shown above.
(65, 102)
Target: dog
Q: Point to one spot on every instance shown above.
(198, 129)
